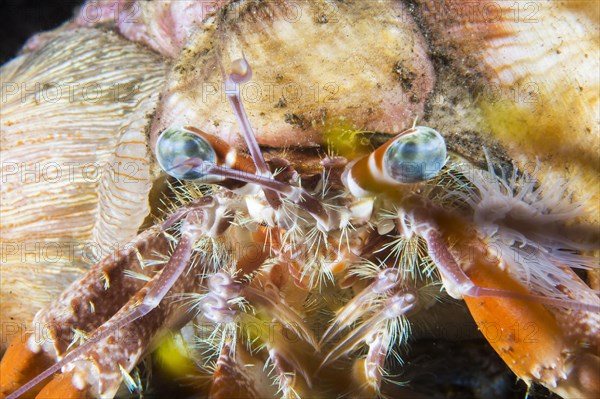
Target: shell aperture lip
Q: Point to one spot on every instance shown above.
(415, 156)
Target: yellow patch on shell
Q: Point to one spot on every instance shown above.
(345, 140)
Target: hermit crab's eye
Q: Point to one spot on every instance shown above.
(415, 156)
(181, 153)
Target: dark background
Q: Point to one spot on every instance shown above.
(20, 19)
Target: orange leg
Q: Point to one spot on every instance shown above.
(19, 365)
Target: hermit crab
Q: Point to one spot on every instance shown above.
(278, 197)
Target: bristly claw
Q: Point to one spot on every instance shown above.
(394, 307)
(386, 280)
(285, 314)
(459, 284)
(139, 307)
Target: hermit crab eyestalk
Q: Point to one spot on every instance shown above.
(413, 156)
(416, 155)
(181, 153)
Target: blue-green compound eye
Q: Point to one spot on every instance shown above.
(415, 156)
(177, 149)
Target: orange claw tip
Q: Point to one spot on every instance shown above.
(524, 334)
(19, 365)
(61, 386)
